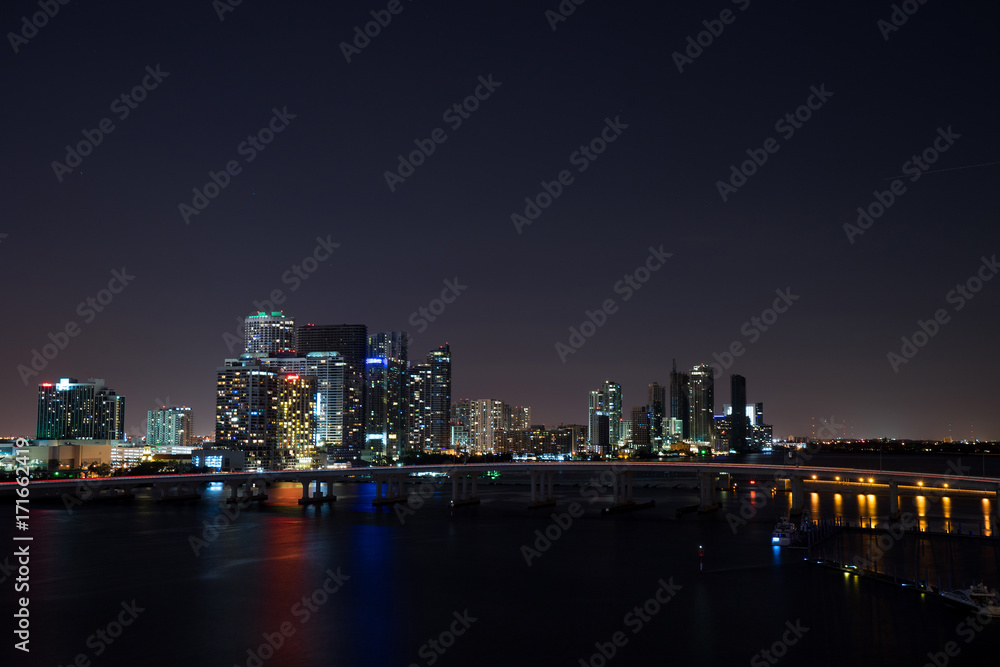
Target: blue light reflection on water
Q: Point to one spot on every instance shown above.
(408, 578)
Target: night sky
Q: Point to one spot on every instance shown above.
(551, 92)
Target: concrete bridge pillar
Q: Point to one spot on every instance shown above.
(465, 498)
(622, 489)
(798, 494)
(319, 495)
(393, 490)
(248, 495)
(541, 488)
(893, 499)
(709, 501)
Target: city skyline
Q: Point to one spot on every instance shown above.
(575, 219)
(277, 333)
(830, 427)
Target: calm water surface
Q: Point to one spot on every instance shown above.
(403, 582)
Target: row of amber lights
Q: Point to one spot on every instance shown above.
(870, 480)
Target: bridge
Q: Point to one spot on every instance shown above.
(389, 481)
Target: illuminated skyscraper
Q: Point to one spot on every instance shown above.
(613, 397)
(520, 418)
(170, 427)
(83, 410)
(597, 423)
(386, 401)
(657, 413)
(702, 403)
(641, 428)
(604, 422)
(461, 425)
(418, 390)
(246, 412)
(490, 423)
(738, 430)
(439, 415)
(351, 342)
(296, 419)
(680, 407)
(266, 335)
(330, 371)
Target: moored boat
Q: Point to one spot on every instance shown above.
(977, 598)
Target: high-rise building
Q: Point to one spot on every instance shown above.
(738, 430)
(520, 418)
(598, 436)
(625, 443)
(702, 403)
(570, 439)
(330, 371)
(613, 397)
(296, 421)
(680, 406)
(604, 422)
(266, 335)
(761, 433)
(170, 427)
(246, 414)
(657, 413)
(350, 341)
(269, 411)
(439, 414)
(461, 425)
(418, 382)
(490, 423)
(386, 401)
(642, 428)
(79, 410)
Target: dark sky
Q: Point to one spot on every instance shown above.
(323, 175)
